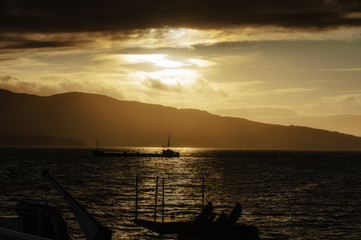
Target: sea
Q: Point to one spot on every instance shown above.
(285, 194)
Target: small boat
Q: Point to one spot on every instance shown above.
(166, 152)
(206, 226)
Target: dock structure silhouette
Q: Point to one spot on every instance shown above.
(204, 226)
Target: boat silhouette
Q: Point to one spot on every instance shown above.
(166, 152)
(44, 222)
(205, 226)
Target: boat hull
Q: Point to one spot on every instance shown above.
(165, 153)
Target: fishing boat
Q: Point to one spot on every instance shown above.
(36, 221)
(167, 152)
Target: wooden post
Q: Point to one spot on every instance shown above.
(155, 200)
(163, 201)
(136, 197)
(202, 192)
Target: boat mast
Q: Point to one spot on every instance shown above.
(168, 140)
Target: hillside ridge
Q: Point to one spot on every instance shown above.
(82, 118)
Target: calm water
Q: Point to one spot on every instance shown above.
(287, 195)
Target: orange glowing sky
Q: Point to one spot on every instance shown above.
(296, 63)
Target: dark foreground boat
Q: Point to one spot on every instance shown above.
(34, 221)
(205, 226)
(43, 222)
(167, 153)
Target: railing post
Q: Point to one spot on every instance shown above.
(136, 197)
(155, 200)
(163, 201)
(202, 192)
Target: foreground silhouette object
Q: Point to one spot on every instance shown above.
(41, 221)
(91, 228)
(203, 226)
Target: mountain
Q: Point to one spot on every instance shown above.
(77, 119)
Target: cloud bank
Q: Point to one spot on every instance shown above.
(45, 16)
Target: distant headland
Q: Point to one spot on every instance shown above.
(78, 119)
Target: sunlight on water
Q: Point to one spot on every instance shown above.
(287, 195)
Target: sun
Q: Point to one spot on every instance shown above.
(175, 73)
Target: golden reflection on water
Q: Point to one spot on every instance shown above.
(288, 195)
(182, 191)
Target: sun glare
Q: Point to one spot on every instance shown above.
(159, 60)
(177, 73)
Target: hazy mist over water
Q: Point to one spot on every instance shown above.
(287, 195)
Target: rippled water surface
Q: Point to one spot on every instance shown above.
(287, 195)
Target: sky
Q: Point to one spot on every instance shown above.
(274, 61)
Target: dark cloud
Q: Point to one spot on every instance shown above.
(95, 15)
(7, 79)
(36, 44)
(6, 59)
(15, 85)
(19, 41)
(155, 84)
